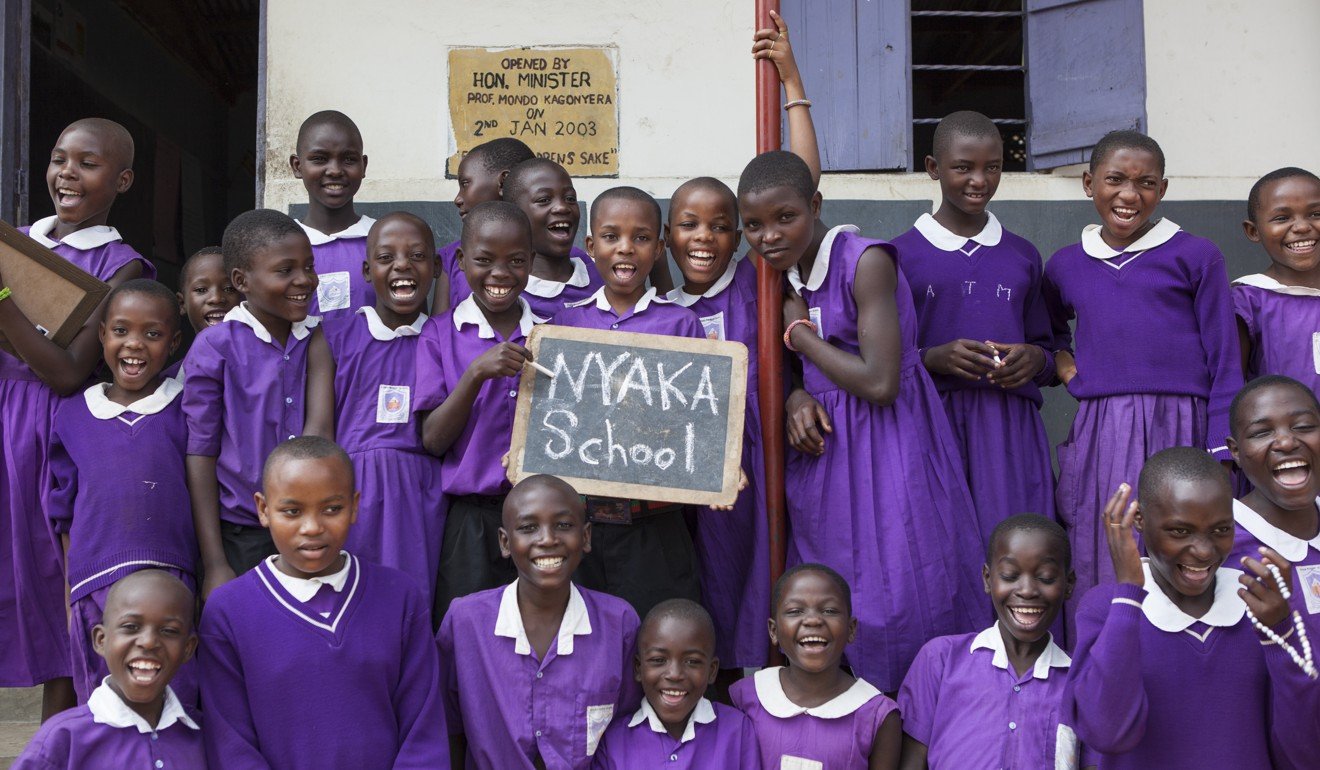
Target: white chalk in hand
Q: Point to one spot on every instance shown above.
(541, 369)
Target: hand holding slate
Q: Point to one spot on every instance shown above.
(504, 360)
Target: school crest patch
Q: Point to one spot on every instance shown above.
(714, 326)
(392, 404)
(1308, 579)
(598, 718)
(332, 291)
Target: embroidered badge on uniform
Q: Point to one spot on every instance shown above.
(814, 314)
(332, 291)
(714, 326)
(598, 718)
(1309, 577)
(392, 404)
(787, 762)
(1065, 749)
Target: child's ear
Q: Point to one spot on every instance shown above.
(499, 185)
(100, 333)
(183, 308)
(985, 574)
(353, 509)
(364, 165)
(366, 270)
(295, 163)
(124, 182)
(190, 647)
(262, 515)
(1070, 583)
(1087, 180)
(176, 340)
(737, 240)
(503, 537)
(1164, 188)
(238, 279)
(586, 537)
(1252, 232)
(1233, 449)
(664, 232)
(1139, 520)
(98, 639)
(774, 631)
(714, 671)
(852, 629)
(458, 258)
(816, 201)
(590, 244)
(637, 668)
(932, 167)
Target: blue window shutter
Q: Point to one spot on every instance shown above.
(1086, 76)
(853, 55)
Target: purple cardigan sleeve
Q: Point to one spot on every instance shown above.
(1294, 707)
(1105, 695)
(418, 702)
(448, 674)
(1213, 304)
(230, 736)
(1056, 307)
(1036, 323)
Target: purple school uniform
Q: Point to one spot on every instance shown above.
(448, 345)
(242, 396)
(458, 287)
(1253, 531)
(986, 287)
(1153, 687)
(837, 735)
(734, 546)
(339, 258)
(890, 483)
(513, 707)
(401, 514)
(1157, 366)
(651, 315)
(971, 710)
(120, 492)
(1283, 323)
(545, 297)
(106, 733)
(285, 686)
(34, 635)
(717, 737)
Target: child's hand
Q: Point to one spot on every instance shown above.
(1261, 593)
(773, 44)
(504, 360)
(795, 308)
(804, 414)
(1119, 517)
(214, 578)
(742, 484)
(968, 359)
(1018, 363)
(1065, 365)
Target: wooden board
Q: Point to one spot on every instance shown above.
(53, 293)
(636, 416)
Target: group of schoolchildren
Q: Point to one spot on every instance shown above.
(324, 473)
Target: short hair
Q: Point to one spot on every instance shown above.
(545, 480)
(306, 448)
(500, 154)
(1260, 383)
(707, 183)
(776, 168)
(1126, 139)
(1287, 172)
(1180, 463)
(252, 231)
(1031, 522)
(964, 123)
(502, 212)
(163, 579)
(205, 251)
(116, 136)
(327, 118)
(516, 182)
(149, 288)
(679, 609)
(405, 216)
(626, 193)
(777, 593)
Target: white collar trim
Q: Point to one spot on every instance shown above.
(1226, 610)
(704, 714)
(540, 287)
(1094, 245)
(993, 639)
(1289, 547)
(102, 408)
(1262, 281)
(467, 312)
(84, 239)
(680, 297)
(303, 589)
(509, 622)
(299, 330)
(770, 692)
(384, 333)
(359, 229)
(945, 239)
(109, 709)
(822, 265)
(603, 303)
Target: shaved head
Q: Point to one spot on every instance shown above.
(545, 481)
(161, 586)
(328, 118)
(115, 137)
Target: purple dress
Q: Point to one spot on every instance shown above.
(1283, 323)
(734, 546)
(986, 287)
(1253, 531)
(887, 503)
(341, 287)
(545, 297)
(717, 737)
(837, 735)
(34, 634)
(401, 514)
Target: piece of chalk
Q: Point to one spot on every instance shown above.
(541, 369)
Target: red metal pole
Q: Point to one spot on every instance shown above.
(769, 341)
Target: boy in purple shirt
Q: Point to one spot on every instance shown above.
(133, 718)
(331, 165)
(316, 658)
(262, 376)
(90, 165)
(676, 727)
(534, 672)
(120, 492)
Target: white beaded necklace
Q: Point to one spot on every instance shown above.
(1302, 659)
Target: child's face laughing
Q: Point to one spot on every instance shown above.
(1027, 583)
(545, 533)
(207, 293)
(624, 243)
(330, 164)
(281, 280)
(1127, 186)
(1288, 226)
(400, 267)
(1278, 444)
(550, 202)
(139, 334)
(85, 175)
(675, 663)
(144, 636)
(703, 235)
(1187, 531)
(812, 623)
(496, 262)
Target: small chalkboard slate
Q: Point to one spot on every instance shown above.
(52, 292)
(638, 416)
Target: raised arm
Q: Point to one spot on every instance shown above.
(773, 44)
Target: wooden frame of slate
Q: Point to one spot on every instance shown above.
(634, 416)
(53, 293)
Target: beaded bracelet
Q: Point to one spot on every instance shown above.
(788, 342)
(1303, 659)
(797, 103)
(4, 293)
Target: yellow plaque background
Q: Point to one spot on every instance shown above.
(563, 102)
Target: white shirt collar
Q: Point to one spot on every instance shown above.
(299, 330)
(102, 408)
(109, 709)
(359, 229)
(821, 267)
(993, 639)
(540, 287)
(509, 622)
(945, 239)
(1225, 611)
(1094, 245)
(384, 333)
(770, 692)
(680, 297)
(603, 303)
(1262, 281)
(84, 239)
(1289, 547)
(467, 312)
(704, 714)
(303, 589)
